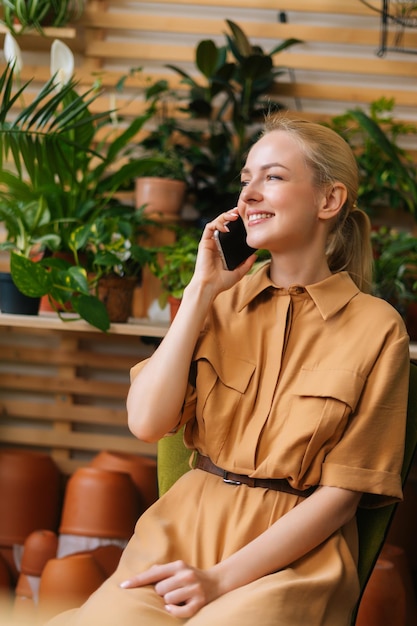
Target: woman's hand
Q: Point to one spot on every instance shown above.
(185, 589)
(209, 267)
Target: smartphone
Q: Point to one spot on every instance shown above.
(232, 245)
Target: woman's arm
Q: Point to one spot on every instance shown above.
(157, 394)
(186, 589)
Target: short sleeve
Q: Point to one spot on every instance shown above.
(369, 456)
(188, 408)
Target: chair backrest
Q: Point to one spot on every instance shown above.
(172, 460)
(373, 524)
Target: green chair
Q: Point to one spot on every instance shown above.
(373, 524)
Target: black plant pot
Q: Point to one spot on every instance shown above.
(14, 301)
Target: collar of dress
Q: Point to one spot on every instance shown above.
(329, 295)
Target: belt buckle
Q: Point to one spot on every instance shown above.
(229, 481)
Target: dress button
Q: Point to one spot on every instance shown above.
(298, 289)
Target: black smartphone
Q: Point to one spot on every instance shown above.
(232, 245)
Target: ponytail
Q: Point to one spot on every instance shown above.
(349, 248)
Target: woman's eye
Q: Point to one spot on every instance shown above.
(244, 183)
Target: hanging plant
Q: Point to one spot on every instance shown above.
(21, 15)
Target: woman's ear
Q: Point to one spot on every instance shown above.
(333, 201)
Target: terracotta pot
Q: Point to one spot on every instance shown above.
(39, 547)
(398, 558)
(30, 494)
(174, 305)
(160, 195)
(383, 602)
(50, 305)
(141, 469)
(7, 555)
(5, 577)
(108, 558)
(116, 292)
(67, 582)
(24, 605)
(99, 503)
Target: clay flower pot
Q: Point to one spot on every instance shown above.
(107, 557)
(24, 606)
(162, 196)
(99, 503)
(397, 556)
(5, 577)
(142, 469)
(67, 582)
(383, 602)
(39, 547)
(30, 494)
(116, 292)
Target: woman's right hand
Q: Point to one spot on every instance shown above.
(209, 271)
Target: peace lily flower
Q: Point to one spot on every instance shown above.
(12, 53)
(62, 63)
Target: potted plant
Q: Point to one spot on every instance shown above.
(161, 186)
(388, 186)
(173, 265)
(55, 161)
(206, 127)
(24, 223)
(234, 88)
(114, 258)
(20, 16)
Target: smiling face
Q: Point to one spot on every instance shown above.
(279, 202)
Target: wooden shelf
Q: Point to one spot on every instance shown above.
(46, 321)
(53, 32)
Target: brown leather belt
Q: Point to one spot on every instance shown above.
(277, 484)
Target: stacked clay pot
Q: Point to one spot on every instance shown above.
(40, 546)
(384, 601)
(142, 470)
(99, 503)
(30, 494)
(67, 582)
(5, 586)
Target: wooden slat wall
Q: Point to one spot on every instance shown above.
(335, 66)
(65, 392)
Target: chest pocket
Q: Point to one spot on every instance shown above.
(221, 382)
(320, 407)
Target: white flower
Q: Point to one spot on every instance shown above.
(62, 63)
(12, 53)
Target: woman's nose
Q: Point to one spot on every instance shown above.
(250, 192)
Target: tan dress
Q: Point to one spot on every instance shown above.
(307, 384)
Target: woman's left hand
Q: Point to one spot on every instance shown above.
(185, 589)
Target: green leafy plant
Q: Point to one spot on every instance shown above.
(387, 171)
(49, 160)
(110, 243)
(203, 130)
(163, 142)
(395, 267)
(174, 264)
(24, 223)
(20, 15)
(232, 92)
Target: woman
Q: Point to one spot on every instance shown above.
(290, 373)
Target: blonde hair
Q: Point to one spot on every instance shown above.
(331, 160)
